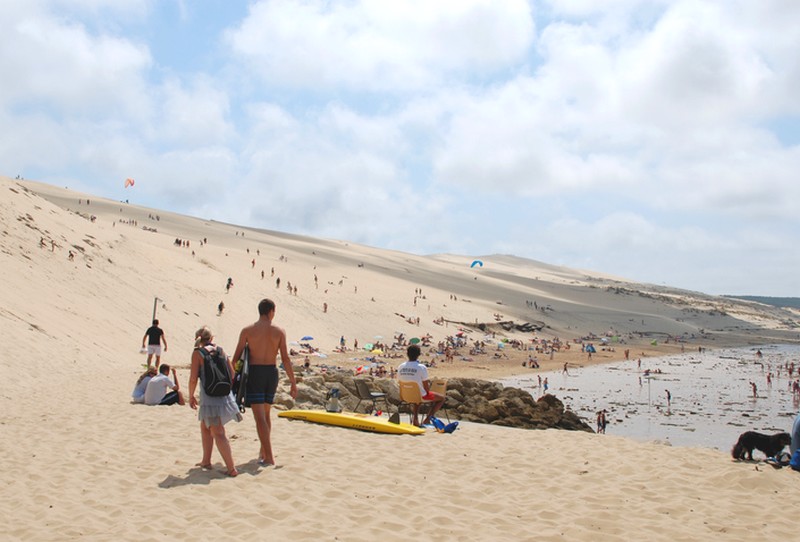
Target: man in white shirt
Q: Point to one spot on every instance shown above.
(156, 392)
(412, 370)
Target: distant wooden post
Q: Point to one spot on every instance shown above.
(155, 306)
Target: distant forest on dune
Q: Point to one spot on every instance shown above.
(786, 302)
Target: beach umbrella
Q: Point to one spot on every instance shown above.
(307, 338)
(378, 337)
(368, 346)
(415, 340)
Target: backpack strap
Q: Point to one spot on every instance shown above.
(204, 351)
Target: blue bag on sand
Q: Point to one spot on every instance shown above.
(441, 427)
(795, 461)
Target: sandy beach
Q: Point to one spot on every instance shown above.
(82, 462)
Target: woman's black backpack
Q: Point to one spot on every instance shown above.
(214, 374)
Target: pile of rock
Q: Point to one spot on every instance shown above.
(467, 399)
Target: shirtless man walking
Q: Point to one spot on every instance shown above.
(264, 341)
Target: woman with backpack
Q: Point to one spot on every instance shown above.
(212, 368)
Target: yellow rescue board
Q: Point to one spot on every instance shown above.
(353, 420)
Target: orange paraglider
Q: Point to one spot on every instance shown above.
(129, 182)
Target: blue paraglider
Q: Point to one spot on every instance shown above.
(476, 262)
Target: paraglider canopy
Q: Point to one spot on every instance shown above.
(129, 182)
(476, 262)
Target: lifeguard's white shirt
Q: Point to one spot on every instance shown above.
(413, 371)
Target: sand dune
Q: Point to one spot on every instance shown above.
(80, 461)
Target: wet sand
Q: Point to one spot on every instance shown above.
(711, 398)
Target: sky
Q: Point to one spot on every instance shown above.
(653, 140)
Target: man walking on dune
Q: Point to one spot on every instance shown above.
(154, 336)
(264, 342)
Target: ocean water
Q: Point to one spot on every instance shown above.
(711, 403)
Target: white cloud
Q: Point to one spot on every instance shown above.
(194, 114)
(52, 62)
(389, 46)
(672, 109)
(630, 245)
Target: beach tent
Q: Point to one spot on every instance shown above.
(590, 349)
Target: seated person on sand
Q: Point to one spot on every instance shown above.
(141, 384)
(412, 370)
(156, 392)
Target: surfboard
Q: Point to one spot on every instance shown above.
(353, 420)
(242, 391)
